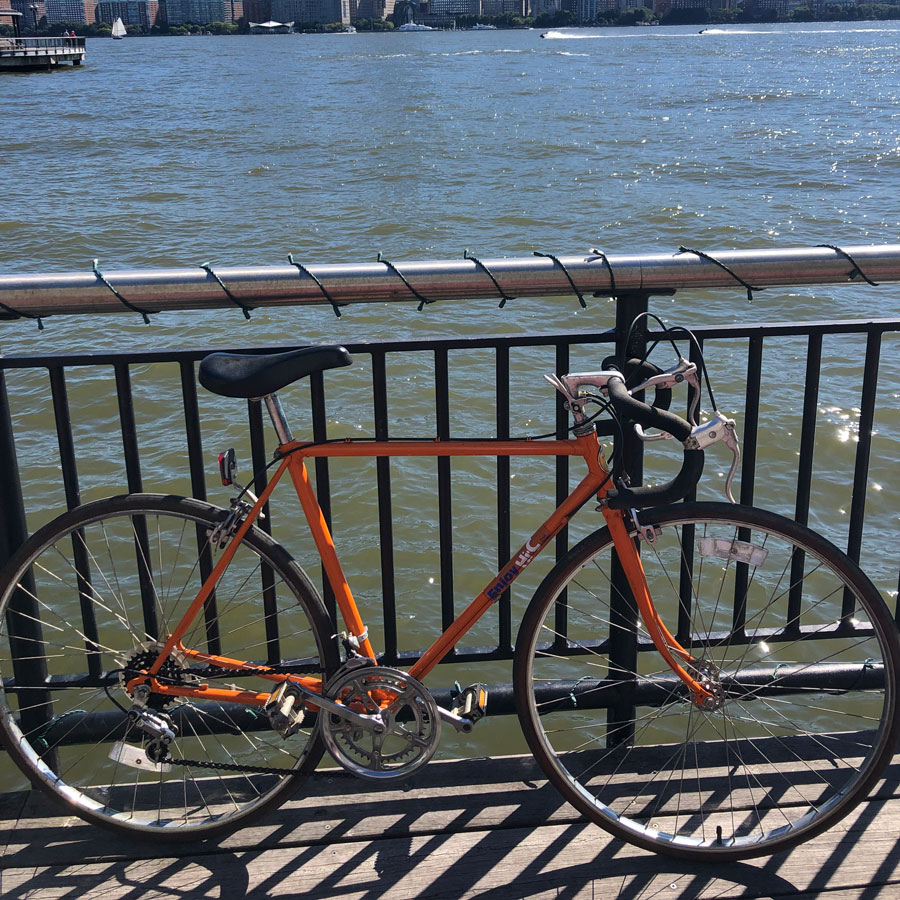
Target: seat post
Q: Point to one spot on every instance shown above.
(276, 413)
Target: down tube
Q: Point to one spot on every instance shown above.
(591, 485)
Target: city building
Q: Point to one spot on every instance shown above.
(324, 12)
(65, 11)
(195, 12)
(131, 12)
(258, 10)
(537, 7)
(32, 12)
(501, 7)
(449, 9)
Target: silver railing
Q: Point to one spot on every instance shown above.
(542, 275)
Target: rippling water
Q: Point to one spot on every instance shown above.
(173, 151)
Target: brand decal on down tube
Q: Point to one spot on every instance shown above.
(514, 567)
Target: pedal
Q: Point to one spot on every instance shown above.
(285, 709)
(471, 703)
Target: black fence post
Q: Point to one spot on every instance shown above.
(631, 342)
(23, 618)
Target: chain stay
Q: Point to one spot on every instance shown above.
(216, 671)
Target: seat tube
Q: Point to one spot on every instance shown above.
(276, 413)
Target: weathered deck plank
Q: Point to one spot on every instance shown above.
(486, 829)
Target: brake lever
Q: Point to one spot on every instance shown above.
(718, 428)
(683, 370)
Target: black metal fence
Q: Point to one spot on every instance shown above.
(755, 357)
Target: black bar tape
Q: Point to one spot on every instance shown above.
(670, 492)
(647, 416)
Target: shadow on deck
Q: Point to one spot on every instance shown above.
(490, 829)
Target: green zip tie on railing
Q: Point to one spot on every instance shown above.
(243, 307)
(599, 254)
(144, 314)
(721, 265)
(321, 286)
(559, 262)
(504, 296)
(423, 301)
(856, 269)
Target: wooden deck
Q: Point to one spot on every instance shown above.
(490, 829)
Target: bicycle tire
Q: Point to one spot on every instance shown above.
(798, 648)
(92, 594)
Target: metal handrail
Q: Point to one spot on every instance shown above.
(593, 273)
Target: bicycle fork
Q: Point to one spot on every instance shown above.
(666, 644)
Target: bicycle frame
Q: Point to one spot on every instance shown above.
(596, 483)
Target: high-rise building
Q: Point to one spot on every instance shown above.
(451, 8)
(258, 10)
(195, 12)
(65, 11)
(131, 12)
(325, 12)
(32, 11)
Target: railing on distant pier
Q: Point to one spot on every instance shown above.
(12, 47)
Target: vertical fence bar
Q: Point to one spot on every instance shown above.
(192, 429)
(445, 511)
(264, 522)
(79, 547)
(23, 618)
(688, 532)
(631, 341)
(804, 476)
(385, 511)
(751, 418)
(748, 472)
(808, 427)
(64, 436)
(560, 614)
(323, 482)
(129, 428)
(863, 452)
(194, 438)
(504, 549)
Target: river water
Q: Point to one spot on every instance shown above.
(177, 151)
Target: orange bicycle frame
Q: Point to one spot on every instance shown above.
(596, 483)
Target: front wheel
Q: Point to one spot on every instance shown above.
(85, 606)
(792, 640)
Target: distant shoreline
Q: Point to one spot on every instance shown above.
(501, 23)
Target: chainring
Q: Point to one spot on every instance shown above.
(401, 733)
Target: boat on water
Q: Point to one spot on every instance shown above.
(480, 27)
(414, 26)
(118, 29)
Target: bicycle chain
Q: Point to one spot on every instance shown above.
(216, 671)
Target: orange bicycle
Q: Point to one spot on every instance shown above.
(703, 679)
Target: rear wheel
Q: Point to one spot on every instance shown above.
(789, 636)
(85, 605)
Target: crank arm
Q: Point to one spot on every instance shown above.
(461, 724)
(374, 724)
